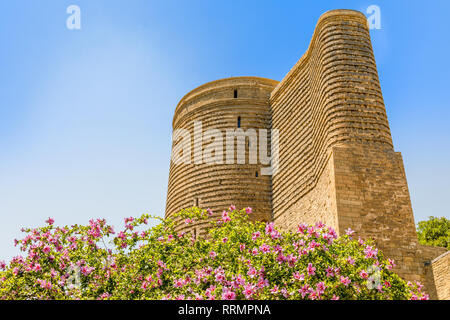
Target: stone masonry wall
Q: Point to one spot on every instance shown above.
(441, 272)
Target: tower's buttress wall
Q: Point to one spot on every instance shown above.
(336, 160)
(222, 105)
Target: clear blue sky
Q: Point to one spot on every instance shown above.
(85, 115)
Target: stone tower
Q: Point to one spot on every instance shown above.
(336, 164)
(228, 104)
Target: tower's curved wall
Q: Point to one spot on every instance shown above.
(218, 105)
(329, 98)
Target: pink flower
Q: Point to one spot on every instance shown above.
(178, 283)
(321, 287)
(248, 210)
(370, 252)
(391, 264)
(313, 295)
(298, 276)
(242, 247)
(363, 274)
(50, 221)
(319, 225)
(345, 280)
(44, 284)
(349, 232)
(251, 272)
(86, 270)
(46, 249)
(224, 240)
(301, 228)
(291, 259)
(130, 219)
(270, 228)
(232, 208)
(209, 212)
(248, 290)
(265, 248)
(2, 265)
(335, 297)
(304, 290)
(256, 235)
(351, 260)
(228, 294)
(311, 270)
(329, 272)
(212, 254)
(225, 216)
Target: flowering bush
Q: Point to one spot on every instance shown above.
(238, 259)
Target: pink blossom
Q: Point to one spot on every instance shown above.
(349, 232)
(311, 270)
(351, 260)
(178, 283)
(304, 290)
(321, 288)
(301, 228)
(50, 221)
(251, 272)
(232, 208)
(212, 254)
(298, 276)
(225, 216)
(345, 280)
(248, 210)
(2, 265)
(87, 270)
(329, 272)
(319, 225)
(370, 252)
(264, 248)
(256, 235)
(248, 290)
(391, 264)
(270, 227)
(228, 294)
(363, 274)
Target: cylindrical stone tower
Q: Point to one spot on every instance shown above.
(210, 111)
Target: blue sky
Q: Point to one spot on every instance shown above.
(85, 115)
